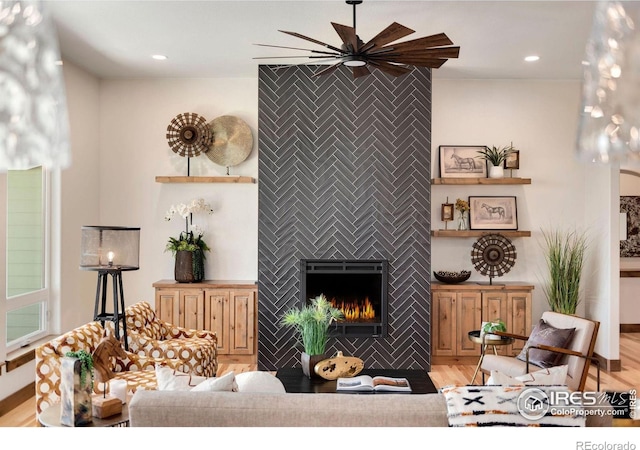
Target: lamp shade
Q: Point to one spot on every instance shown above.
(104, 248)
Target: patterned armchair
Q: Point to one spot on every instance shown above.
(150, 336)
(137, 371)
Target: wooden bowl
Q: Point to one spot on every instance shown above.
(452, 277)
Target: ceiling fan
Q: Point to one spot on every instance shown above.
(378, 53)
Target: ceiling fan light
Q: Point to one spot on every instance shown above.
(355, 63)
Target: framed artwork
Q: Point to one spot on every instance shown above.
(493, 213)
(462, 161)
(447, 212)
(513, 160)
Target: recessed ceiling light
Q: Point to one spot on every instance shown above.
(159, 57)
(531, 58)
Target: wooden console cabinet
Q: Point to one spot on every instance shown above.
(457, 309)
(227, 307)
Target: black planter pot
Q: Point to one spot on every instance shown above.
(189, 267)
(309, 362)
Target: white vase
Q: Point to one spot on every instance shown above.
(496, 172)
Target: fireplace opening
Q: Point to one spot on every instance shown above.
(357, 287)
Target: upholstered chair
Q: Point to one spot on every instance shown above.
(137, 371)
(150, 336)
(558, 339)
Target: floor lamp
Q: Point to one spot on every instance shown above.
(110, 251)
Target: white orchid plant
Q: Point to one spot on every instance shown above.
(190, 239)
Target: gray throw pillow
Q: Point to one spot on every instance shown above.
(545, 334)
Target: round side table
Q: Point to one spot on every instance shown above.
(484, 341)
(50, 417)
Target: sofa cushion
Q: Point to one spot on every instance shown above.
(258, 381)
(173, 380)
(545, 334)
(553, 376)
(224, 383)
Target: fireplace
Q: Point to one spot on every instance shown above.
(357, 287)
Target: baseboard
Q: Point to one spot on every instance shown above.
(630, 328)
(608, 365)
(17, 398)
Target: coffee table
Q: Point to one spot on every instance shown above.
(295, 381)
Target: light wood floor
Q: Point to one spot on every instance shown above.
(627, 378)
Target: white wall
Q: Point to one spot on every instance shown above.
(134, 150)
(540, 119)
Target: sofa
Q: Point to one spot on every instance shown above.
(268, 409)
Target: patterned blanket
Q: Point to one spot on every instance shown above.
(517, 406)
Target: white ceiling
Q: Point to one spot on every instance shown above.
(115, 39)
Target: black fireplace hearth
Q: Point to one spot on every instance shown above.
(357, 287)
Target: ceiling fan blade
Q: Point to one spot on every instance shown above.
(296, 56)
(441, 52)
(348, 36)
(432, 63)
(327, 70)
(315, 41)
(360, 71)
(392, 33)
(391, 69)
(297, 48)
(437, 40)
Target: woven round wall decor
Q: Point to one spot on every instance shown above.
(493, 255)
(189, 135)
(232, 141)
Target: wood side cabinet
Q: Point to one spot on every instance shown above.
(457, 309)
(227, 307)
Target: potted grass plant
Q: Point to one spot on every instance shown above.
(496, 156)
(312, 323)
(565, 253)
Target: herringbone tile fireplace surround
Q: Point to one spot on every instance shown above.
(344, 170)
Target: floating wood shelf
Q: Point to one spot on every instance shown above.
(468, 181)
(478, 233)
(225, 179)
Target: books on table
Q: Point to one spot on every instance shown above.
(365, 383)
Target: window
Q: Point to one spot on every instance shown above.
(26, 266)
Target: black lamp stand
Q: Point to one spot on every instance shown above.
(118, 302)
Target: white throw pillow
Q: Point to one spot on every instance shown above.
(553, 376)
(173, 380)
(259, 382)
(225, 383)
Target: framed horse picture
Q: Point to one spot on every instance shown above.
(462, 161)
(493, 213)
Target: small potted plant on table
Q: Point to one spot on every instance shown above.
(312, 324)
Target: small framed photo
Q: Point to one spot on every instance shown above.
(447, 212)
(462, 161)
(513, 160)
(493, 213)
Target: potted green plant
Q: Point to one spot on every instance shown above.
(189, 247)
(496, 157)
(76, 387)
(490, 327)
(312, 323)
(565, 253)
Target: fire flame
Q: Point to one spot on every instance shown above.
(355, 310)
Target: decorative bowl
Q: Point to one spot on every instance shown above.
(452, 277)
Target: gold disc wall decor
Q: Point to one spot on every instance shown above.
(232, 142)
(189, 135)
